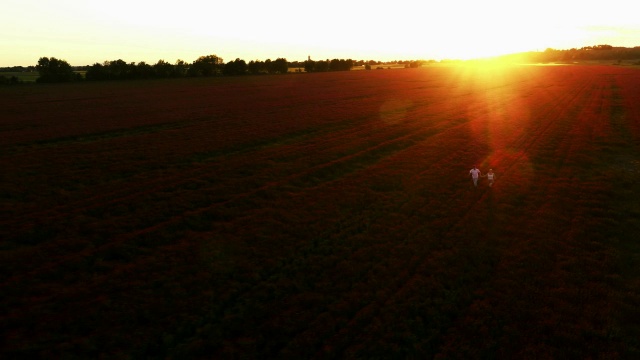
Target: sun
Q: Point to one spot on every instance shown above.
(495, 28)
(499, 38)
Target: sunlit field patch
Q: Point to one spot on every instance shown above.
(324, 215)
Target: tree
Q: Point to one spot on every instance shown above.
(255, 67)
(340, 65)
(321, 66)
(4, 80)
(96, 72)
(279, 66)
(142, 70)
(163, 69)
(118, 69)
(309, 65)
(235, 67)
(209, 65)
(180, 68)
(267, 66)
(55, 70)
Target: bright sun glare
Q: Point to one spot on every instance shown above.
(361, 30)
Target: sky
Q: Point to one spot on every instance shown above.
(88, 32)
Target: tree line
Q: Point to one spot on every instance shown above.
(328, 65)
(57, 70)
(209, 65)
(587, 53)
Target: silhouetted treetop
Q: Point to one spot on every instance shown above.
(54, 70)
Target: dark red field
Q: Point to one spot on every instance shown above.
(320, 216)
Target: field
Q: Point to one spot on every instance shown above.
(324, 215)
(29, 77)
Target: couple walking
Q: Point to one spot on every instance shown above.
(475, 174)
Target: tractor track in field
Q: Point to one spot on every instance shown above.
(123, 238)
(414, 135)
(352, 226)
(178, 218)
(553, 118)
(128, 195)
(574, 135)
(122, 195)
(548, 143)
(344, 230)
(532, 144)
(97, 280)
(133, 190)
(413, 273)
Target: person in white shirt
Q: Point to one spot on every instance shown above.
(491, 176)
(475, 174)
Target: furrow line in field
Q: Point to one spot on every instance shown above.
(375, 303)
(585, 128)
(414, 274)
(35, 146)
(400, 281)
(351, 252)
(421, 132)
(133, 190)
(136, 187)
(346, 227)
(378, 302)
(440, 159)
(556, 119)
(569, 131)
(113, 196)
(248, 194)
(111, 274)
(403, 281)
(626, 97)
(553, 118)
(173, 220)
(259, 146)
(417, 273)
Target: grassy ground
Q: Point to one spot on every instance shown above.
(22, 76)
(324, 216)
(27, 77)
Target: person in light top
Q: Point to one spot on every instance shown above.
(475, 174)
(491, 176)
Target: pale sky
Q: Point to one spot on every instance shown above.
(88, 32)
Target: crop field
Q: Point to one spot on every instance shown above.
(324, 215)
(22, 76)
